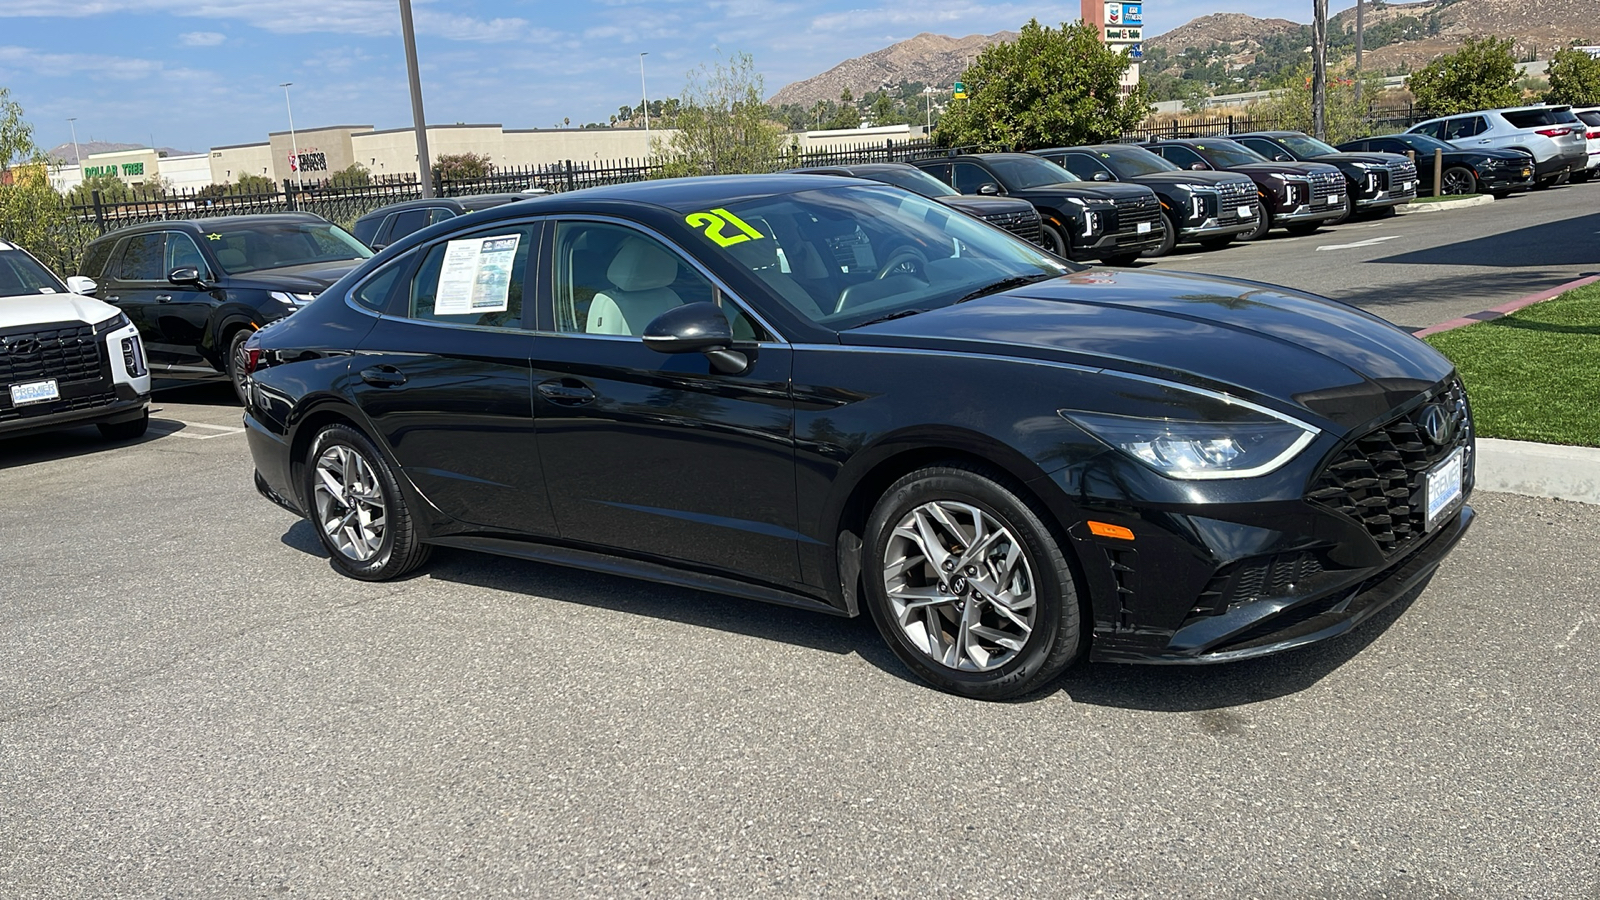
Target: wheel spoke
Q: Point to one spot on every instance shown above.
(349, 503)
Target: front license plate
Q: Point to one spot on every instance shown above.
(34, 392)
(1409, 186)
(1247, 212)
(1444, 487)
(1143, 228)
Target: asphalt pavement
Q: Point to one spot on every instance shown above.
(197, 705)
(1417, 271)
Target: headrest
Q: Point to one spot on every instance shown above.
(642, 266)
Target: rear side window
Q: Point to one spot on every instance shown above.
(1592, 119)
(94, 261)
(1463, 127)
(405, 223)
(475, 280)
(1531, 118)
(142, 258)
(374, 294)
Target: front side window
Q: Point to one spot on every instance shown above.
(1182, 157)
(474, 280)
(1431, 129)
(182, 253)
(969, 177)
(142, 258)
(614, 280)
(1464, 127)
(1082, 166)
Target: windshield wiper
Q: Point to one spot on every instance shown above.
(894, 315)
(1005, 284)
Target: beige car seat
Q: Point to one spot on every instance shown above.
(641, 272)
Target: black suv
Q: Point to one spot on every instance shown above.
(1378, 182)
(1298, 196)
(387, 224)
(1209, 207)
(1486, 170)
(197, 288)
(1016, 216)
(1114, 223)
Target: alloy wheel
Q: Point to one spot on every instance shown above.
(1457, 181)
(349, 503)
(960, 586)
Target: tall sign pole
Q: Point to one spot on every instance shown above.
(424, 161)
(1319, 69)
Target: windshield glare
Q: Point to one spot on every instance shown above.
(276, 245)
(21, 275)
(1423, 142)
(1135, 161)
(1305, 145)
(1023, 172)
(913, 180)
(844, 256)
(1223, 154)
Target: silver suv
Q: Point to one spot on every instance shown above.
(1552, 134)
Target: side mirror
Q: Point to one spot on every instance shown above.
(697, 328)
(186, 275)
(989, 189)
(1101, 176)
(1283, 157)
(79, 284)
(1199, 167)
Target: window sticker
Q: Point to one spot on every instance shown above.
(716, 223)
(476, 276)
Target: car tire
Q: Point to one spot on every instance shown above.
(1120, 259)
(235, 363)
(1343, 217)
(1458, 181)
(1263, 225)
(946, 510)
(1055, 241)
(1168, 241)
(125, 431)
(357, 508)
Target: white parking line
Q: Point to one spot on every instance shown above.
(1369, 242)
(178, 428)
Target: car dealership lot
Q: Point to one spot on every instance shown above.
(199, 705)
(1418, 270)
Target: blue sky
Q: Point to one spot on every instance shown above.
(194, 74)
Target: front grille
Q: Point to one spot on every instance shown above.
(1401, 173)
(67, 353)
(1024, 225)
(1327, 184)
(1379, 479)
(53, 407)
(1133, 211)
(1280, 575)
(1236, 194)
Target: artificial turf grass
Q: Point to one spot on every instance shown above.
(1534, 375)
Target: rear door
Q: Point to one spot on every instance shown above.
(135, 279)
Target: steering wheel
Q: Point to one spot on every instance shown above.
(904, 261)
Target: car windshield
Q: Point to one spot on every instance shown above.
(846, 256)
(21, 275)
(914, 180)
(1422, 142)
(1023, 172)
(1223, 154)
(1305, 145)
(1133, 162)
(274, 245)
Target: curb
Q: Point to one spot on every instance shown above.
(1539, 470)
(1443, 205)
(1506, 309)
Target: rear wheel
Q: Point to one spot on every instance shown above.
(238, 369)
(1168, 240)
(968, 586)
(1458, 180)
(358, 509)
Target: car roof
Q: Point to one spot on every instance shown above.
(411, 204)
(700, 192)
(212, 223)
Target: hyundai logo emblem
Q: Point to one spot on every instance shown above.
(23, 346)
(1437, 425)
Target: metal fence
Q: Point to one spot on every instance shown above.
(1379, 121)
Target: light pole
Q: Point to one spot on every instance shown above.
(646, 96)
(1319, 68)
(424, 161)
(294, 143)
(76, 156)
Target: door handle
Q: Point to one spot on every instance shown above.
(566, 392)
(163, 298)
(113, 298)
(383, 376)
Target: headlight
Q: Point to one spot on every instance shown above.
(1254, 445)
(120, 320)
(296, 300)
(1091, 222)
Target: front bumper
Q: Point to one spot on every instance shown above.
(1505, 181)
(1386, 199)
(1307, 212)
(1124, 242)
(1215, 227)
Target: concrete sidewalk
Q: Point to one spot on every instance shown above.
(1539, 470)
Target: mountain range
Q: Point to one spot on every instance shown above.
(64, 152)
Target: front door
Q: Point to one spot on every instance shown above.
(651, 453)
(183, 311)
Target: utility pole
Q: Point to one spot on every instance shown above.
(294, 143)
(1361, 9)
(645, 95)
(424, 161)
(1319, 69)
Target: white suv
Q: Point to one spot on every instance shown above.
(1590, 117)
(66, 359)
(1551, 134)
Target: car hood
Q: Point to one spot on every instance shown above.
(1322, 360)
(1378, 159)
(1282, 168)
(312, 278)
(1096, 190)
(1188, 176)
(985, 206)
(43, 309)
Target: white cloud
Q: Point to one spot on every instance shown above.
(91, 65)
(201, 38)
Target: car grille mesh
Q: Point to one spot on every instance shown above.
(1400, 173)
(1379, 480)
(53, 407)
(1132, 211)
(1327, 184)
(1024, 225)
(68, 353)
(1236, 194)
(1280, 575)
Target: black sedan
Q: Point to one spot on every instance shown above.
(1016, 216)
(1296, 196)
(1487, 170)
(835, 395)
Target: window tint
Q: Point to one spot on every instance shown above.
(474, 280)
(182, 252)
(1592, 118)
(374, 294)
(405, 223)
(94, 261)
(1080, 165)
(20, 274)
(1530, 118)
(367, 229)
(1463, 127)
(142, 258)
(615, 280)
(968, 178)
(1261, 146)
(940, 171)
(439, 214)
(1431, 129)
(1182, 157)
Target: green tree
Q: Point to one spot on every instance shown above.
(352, 176)
(723, 125)
(1048, 87)
(1574, 78)
(1346, 115)
(462, 166)
(32, 214)
(1481, 75)
(846, 115)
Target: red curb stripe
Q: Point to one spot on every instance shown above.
(1506, 309)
